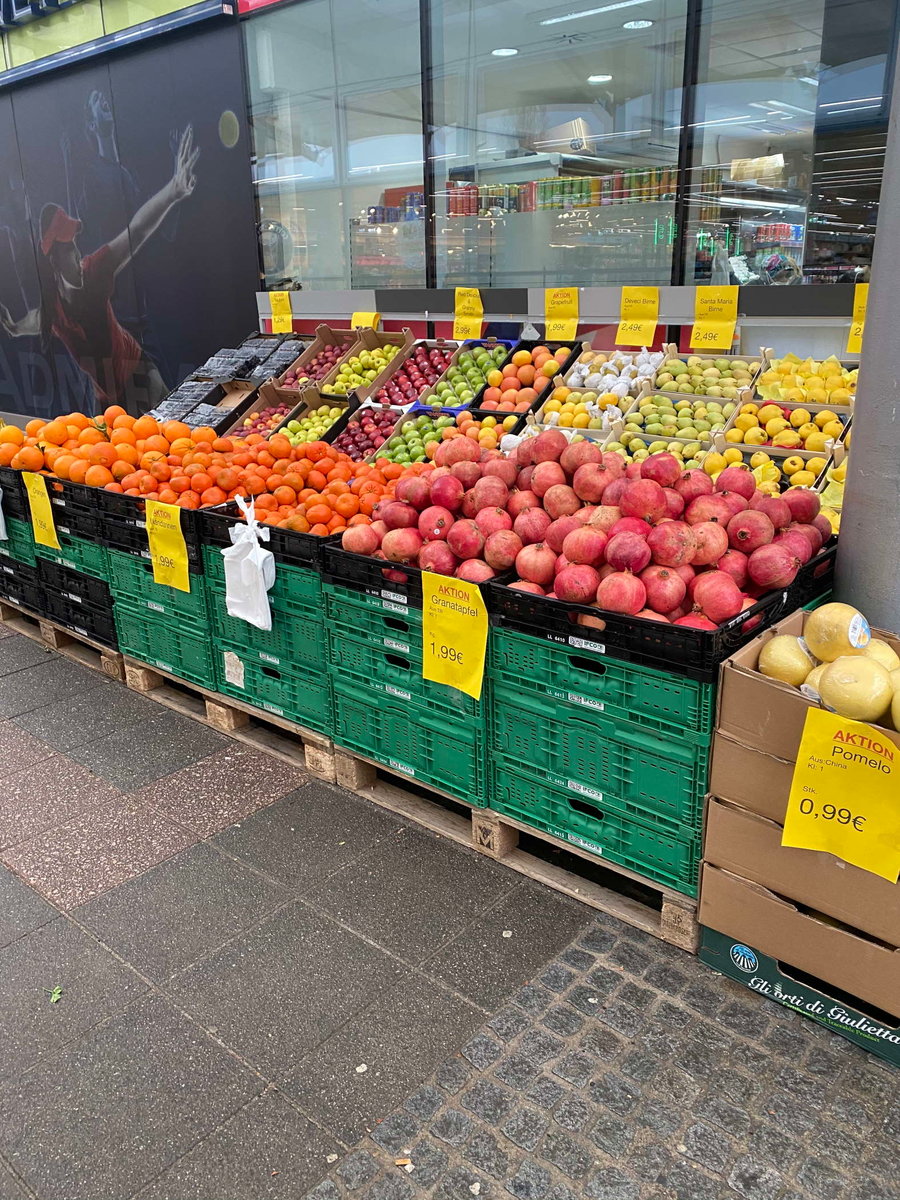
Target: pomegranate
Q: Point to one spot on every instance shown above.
(823, 525)
(490, 492)
(629, 525)
(398, 516)
(584, 514)
(736, 479)
(633, 470)
(803, 503)
(519, 501)
(524, 452)
(735, 501)
(525, 585)
(647, 614)
(686, 572)
(492, 520)
(754, 621)
(561, 563)
(795, 542)
(665, 589)
(414, 490)
(644, 499)
(674, 504)
(712, 507)
(672, 543)
(590, 481)
(501, 549)
(664, 469)
(558, 529)
(475, 570)
(615, 462)
(695, 621)
(578, 454)
(622, 592)
(711, 542)
(465, 540)
(605, 570)
(613, 493)
(501, 468)
(628, 552)
(457, 450)
(774, 508)
(734, 563)
(470, 505)
(773, 566)
(434, 523)
(749, 530)
(468, 473)
(447, 492)
(717, 596)
(545, 475)
(577, 584)
(536, 563)
(523, 479)
(585, 545)
(605, 517)
(360, 539)
(380, 528)
(548, 446)
(402, 545)
(561, 501)
(437, 557)
(692, 484)
(810, 532)
(531, 525)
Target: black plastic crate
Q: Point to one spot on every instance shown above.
(289, 547)
(19, 583)
(73, 586)
(389, 581)
(89, 620)
(123, 526)
(15, 501)
(694, 653)
(75, 506)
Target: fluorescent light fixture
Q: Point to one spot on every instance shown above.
(504, 52)
(637, 24)
(592, 12)
(841, 103)
(599, 78)
(836, 112)
(808, 79)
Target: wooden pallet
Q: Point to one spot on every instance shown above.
(264, 731)
(75, 646)
(671, 917)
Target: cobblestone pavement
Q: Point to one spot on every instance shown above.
(629, 1071)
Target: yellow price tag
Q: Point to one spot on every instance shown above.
(858, 322)
(454, 633)
(41, 512)
(715, 316)
(638, 316)
(844, 794)
(282, 317)
(560, 314)
(365, 320)
(168, 551)
(468, 314)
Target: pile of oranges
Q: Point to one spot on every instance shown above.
(309, 488)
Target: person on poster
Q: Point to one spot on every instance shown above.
(76, 294)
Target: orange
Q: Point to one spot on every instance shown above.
(124, 422)
(122, 437)
(157, 442)
(120, 469)
(98, 476)
(522, 358)
(103, 455)
(11, 435)
(203, 433)
(317, 514)
(62, 463)
(176, 429)
(285, 495)
(33, 428)
(29, 458)
(149, 458)
(90, 436)
(78, 470)
(7, 454)
(127, 453)
(213, 495)
(200, 482)
(55, 432)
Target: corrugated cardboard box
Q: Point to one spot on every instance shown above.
(752, 778)
(778, 927)
(750, 846)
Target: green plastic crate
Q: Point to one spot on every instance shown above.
(170, 643)
(20, 542)
(131, 580)
(648, 849)
(650, 698)
(291, 692)
(619, 764)
(825, 598)
(295, 637)
(296, 585)
(386, 670)
(373, 619)
(445, 753)
(77, 554)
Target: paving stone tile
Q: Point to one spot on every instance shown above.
(134, 757)
(47, 794)
(390, 1187)
(525, 1128)
(687, 1182)
(598, 939)
(545, 1092)
(484, 1153)
(453, 1127)
(309, 834)
(707, 1146)
(74, 720)
(357, 1169)
(530, 1182)
(612, 1183)
(615, 1093)
(563, 1020)
(55, 679)
(773, 1146)
(279, 990)
(754, 1179)
(19, 653)
(661, 1117)
(429, 1163)
(577, 958)
(650, 1161)
(94, 984)
(482, 1051)
(21, 909)
(413, 892)
(821, 1180)
(567, 1154)
(612, 1134)
(266, 1149)
(517, 1071)
(486, 966)
(397, 1132)
(460, 1183)
(452, 1075)
(19, 749)
(326, 1190)
(97, 851)
(727, 1116)
(110, 1112)
(487, 1100)
(236, 781)
(508, 1023)
(425, 1102)
(166, 919)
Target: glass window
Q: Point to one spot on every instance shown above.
(555, 140)
(788, 136)
(336, 116)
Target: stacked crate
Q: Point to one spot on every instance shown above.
(383, 709)
(18, 572)
(284, 670)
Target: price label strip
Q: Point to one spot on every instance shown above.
(365, 320)
(844, 793)
(858, 321)
(561, 314)
(638, 316)
(282, 317)
(454, 633)
(168, 551)
(468, 314)
(715, 316)
(42, 521)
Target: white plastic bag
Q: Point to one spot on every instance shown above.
(249, 572)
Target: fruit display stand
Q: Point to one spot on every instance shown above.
(704, 371)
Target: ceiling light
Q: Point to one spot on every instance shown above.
(504, 52)
(637, 24)
(599, 78)
(592, 12)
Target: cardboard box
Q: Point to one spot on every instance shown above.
(842, 958)
(874, 1031)
(750, 846)
(370, 340)
(348, 339)
(750, 777)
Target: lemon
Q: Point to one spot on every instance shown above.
(581, 420)
(552, 406)
(734, 435)
(566, 420)
(732, 455)
(803, 479)
(793, 464)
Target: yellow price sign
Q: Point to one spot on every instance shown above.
(282, 316)
(858, 321)
(168, 551)
(560, 314)
(468, 314)
(844, 792)
(41, 511)
(365, 320)
(715, 316)
(454, 633)
(638, 316)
